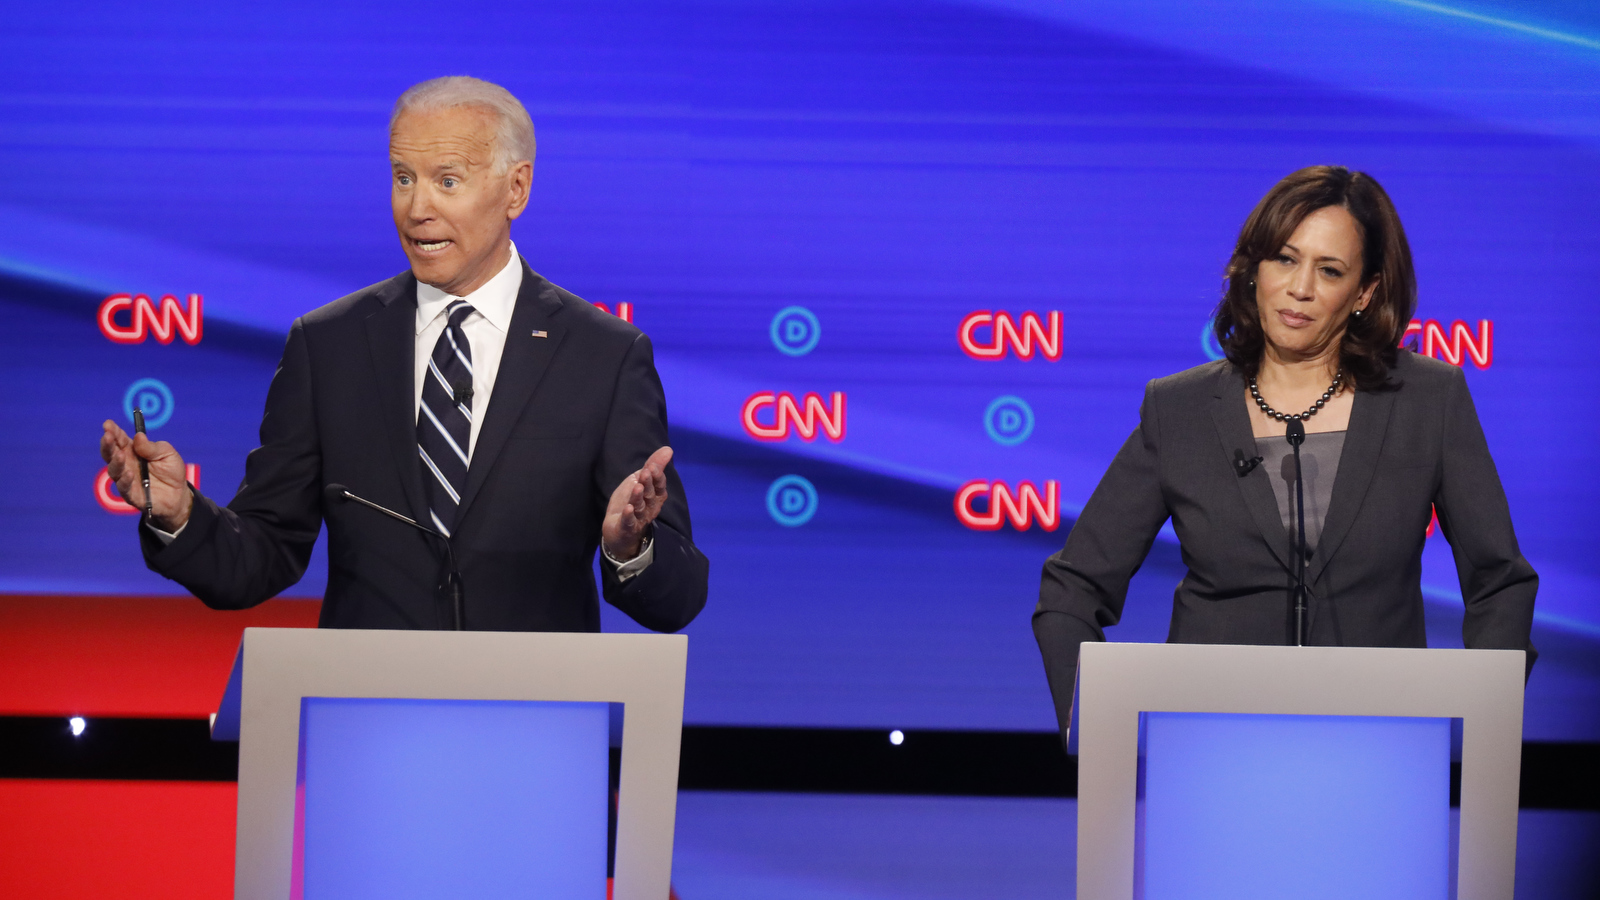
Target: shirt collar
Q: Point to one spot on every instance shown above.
(494, 300)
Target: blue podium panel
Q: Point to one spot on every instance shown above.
(445, 798)
(1238, 807)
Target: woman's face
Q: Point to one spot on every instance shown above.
(1307, 292)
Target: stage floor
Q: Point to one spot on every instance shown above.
(803, 847)
(174, 841)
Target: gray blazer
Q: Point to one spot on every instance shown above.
(1405, 449)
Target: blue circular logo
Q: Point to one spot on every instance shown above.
(792, 501)
(795, 331)
(1009, 420)
(153, 398)
(1208, 342)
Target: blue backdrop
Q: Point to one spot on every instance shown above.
(812, 198)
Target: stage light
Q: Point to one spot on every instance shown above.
(77, 724)
(897, 737)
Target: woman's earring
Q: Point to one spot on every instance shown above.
(1356, 313)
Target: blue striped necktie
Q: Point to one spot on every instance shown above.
(444, 423)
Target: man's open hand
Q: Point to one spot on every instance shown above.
(634, 505)
(169, 490)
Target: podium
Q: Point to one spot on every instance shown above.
(1308, 772)
(405, 764)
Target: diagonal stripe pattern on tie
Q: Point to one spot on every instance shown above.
(444, 423)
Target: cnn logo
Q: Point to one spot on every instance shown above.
(989, 335)
(1455, 346)
(1022, 508)
(805, 417)
(166, 320)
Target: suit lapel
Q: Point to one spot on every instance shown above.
(530, 346)
(392, 341)
(1358, 461)
(1233, 428)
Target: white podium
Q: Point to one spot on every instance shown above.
(437, 763)
(1306, 772)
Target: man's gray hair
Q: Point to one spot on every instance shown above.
(513, 133)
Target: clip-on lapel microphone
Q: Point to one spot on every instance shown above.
(1244, 466)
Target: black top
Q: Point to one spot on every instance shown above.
(1416, 446)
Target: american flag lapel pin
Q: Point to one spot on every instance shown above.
(541, 334)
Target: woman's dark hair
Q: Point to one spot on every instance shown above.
(1372, 339)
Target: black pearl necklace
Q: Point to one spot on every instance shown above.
(1338, 379)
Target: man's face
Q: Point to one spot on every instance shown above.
(453, 211)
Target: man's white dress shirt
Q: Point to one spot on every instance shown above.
(486, 330)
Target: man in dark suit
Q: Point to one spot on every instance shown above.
(469, 394)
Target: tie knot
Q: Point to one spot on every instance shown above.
(458, 311)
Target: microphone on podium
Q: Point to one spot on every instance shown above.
(338, 492)
(1296, 435)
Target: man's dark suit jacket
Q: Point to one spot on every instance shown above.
(1405, 449)
(577, 406)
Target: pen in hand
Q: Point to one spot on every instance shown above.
(144, 467)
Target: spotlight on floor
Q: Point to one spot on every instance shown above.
(77, 724)
(897, 737)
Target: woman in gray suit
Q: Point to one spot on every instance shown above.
(1318, 294)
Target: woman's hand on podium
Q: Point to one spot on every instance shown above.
(170, 499)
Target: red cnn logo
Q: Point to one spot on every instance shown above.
(1456, 346)
(1020, 508)
(804, 416)
(144, 318)
(1005, 332)
(624, 311)
(105, 490)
